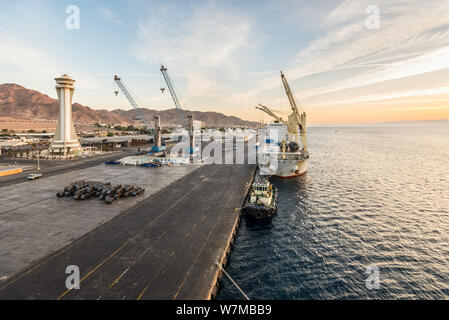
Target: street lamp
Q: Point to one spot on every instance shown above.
(38, 154)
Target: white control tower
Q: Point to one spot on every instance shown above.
(65, 142)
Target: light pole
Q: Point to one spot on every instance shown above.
(38, 154)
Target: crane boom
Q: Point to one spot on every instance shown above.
(131, 100)
(270, 112)
(296, 116)
(300, 116)
(174, 96)
(289, 93)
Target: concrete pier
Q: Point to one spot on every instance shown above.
(165, 247)
(35, 223)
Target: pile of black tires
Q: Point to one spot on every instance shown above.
(112, 193)
(83, 190)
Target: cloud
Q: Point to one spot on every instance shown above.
(24, 59)
(413, 40)
(200, 44)
(436, 94)
(422, 108)
(111, 16)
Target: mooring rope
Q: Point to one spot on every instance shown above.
(232, 280)
(238, 209)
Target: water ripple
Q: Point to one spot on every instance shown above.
(372, 197)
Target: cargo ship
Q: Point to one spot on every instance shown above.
(282, 149)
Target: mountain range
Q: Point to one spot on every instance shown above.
(18, 102)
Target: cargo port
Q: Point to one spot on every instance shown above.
(161, 245)
(143, 222)
(223, 159)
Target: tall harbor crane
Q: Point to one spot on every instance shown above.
(131, 100)
(174, 96)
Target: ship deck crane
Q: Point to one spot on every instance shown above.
(291, 124)
(296, 118)
(131, 100)
(270, 113)
(174, 96)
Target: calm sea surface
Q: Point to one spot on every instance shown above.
(373, 196)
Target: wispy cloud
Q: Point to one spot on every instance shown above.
(24, 59)
(413, 39)
(111, 16)
(226, 56)
(435, 94)
(404, 29)
(200, 46)
(422, 108)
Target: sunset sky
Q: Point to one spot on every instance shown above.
(225, 56)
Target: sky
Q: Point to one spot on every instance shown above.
(346, 61)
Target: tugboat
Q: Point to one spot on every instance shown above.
(262, 200)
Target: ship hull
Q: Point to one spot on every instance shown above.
(287, 169)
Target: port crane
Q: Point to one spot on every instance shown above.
(131, 100)
(296, 120)
(174, 96)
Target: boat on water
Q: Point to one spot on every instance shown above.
(282, 149)
(262, 199)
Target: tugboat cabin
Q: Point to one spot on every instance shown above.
(262, 192)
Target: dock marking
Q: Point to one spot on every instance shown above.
(138, 258)
(142, 293)
(168, 260)
(117, 280)
(154, 242)
(199, 253)
(161, 270)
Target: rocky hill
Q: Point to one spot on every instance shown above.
(21, 103)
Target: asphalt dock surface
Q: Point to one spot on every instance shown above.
(163, 248)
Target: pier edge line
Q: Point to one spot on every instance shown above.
(213, 292)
